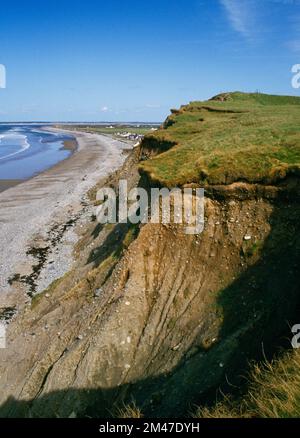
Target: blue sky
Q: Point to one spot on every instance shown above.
(134, 60)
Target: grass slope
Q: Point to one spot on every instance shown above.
(233, 137)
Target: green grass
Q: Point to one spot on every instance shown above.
(107, 130)
(36, 299)
(248, 137)
(115, 130)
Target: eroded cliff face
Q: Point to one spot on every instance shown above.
(153, 315)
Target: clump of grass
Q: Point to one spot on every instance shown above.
(128, 411)
(254, 249)
(274, 392)
(247, 137)
(36, 299)
(130, 236)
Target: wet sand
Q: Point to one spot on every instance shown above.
(7, 183)
(70, 145)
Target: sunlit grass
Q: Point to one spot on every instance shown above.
(249, 137)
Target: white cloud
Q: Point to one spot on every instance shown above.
(240, 15)
(104, 109)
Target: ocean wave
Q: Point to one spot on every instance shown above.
(24, 146)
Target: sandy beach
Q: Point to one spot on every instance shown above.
(38, 217)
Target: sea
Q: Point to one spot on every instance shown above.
(26, 150)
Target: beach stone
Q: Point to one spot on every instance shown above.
(98, 292)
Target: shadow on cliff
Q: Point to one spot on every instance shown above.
(258, 310)
(115, 242)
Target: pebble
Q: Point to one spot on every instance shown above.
(247, 238)
(98, 292)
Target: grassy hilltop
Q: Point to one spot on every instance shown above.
(233, 137)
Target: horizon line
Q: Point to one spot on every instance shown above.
(80, 123)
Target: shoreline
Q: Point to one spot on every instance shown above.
(70, 145)
(34, 214)
(6, 184)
